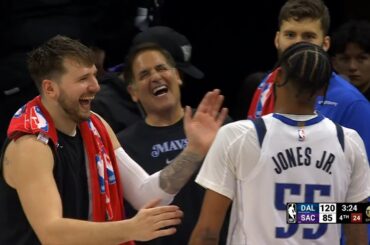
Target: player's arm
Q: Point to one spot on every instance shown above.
(28, 168)
(201, 128)
(356, 234)
(210, 221)
(359, 188)
(138, 186)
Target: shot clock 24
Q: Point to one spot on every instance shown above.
(352, 213)
(328, 213)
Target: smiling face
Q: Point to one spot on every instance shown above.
(305, 30)
(75, 89)
(156, 84)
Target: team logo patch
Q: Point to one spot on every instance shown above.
(92, 128)
(100, 166)
(301, 135)
(20, 111)
(110, 170)
(38, 121)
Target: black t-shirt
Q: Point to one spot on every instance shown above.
(70, 176)
(153, 148)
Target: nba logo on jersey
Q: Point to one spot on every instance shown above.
(301, 135)
(291, 213)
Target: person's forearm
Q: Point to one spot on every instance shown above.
(138, 187)
(203, 237)
(173, 177)
(356, 234)
(71, 231)
(211, 218)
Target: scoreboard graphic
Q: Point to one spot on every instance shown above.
(328, 213)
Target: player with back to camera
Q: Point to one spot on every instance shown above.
(261, 165)
(309, 21)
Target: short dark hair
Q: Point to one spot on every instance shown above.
(307, 66)
(353, 31)
(306, 9)
(138, 49)
(46, 61)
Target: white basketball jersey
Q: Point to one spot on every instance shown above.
(304, 163)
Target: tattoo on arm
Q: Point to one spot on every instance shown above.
(173, 177)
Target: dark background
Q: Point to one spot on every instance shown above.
(230, 39)
(234, 38)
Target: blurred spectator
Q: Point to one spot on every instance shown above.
(350, 51)
(113, 102)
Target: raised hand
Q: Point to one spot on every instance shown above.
(152, 222)
(201, 128)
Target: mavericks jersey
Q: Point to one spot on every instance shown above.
(300, 160)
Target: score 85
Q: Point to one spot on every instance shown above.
(308, 197)
(328, 212)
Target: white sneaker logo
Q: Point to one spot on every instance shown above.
(168, 161)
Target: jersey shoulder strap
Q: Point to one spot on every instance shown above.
(340, 135)
(260, 126)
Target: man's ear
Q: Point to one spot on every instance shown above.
(132, 91)
(276, 40)
(178, 76)
(326, 43)
(49, 88)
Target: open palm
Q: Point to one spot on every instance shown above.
(201, 128)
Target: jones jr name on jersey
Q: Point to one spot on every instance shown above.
(301, 156)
